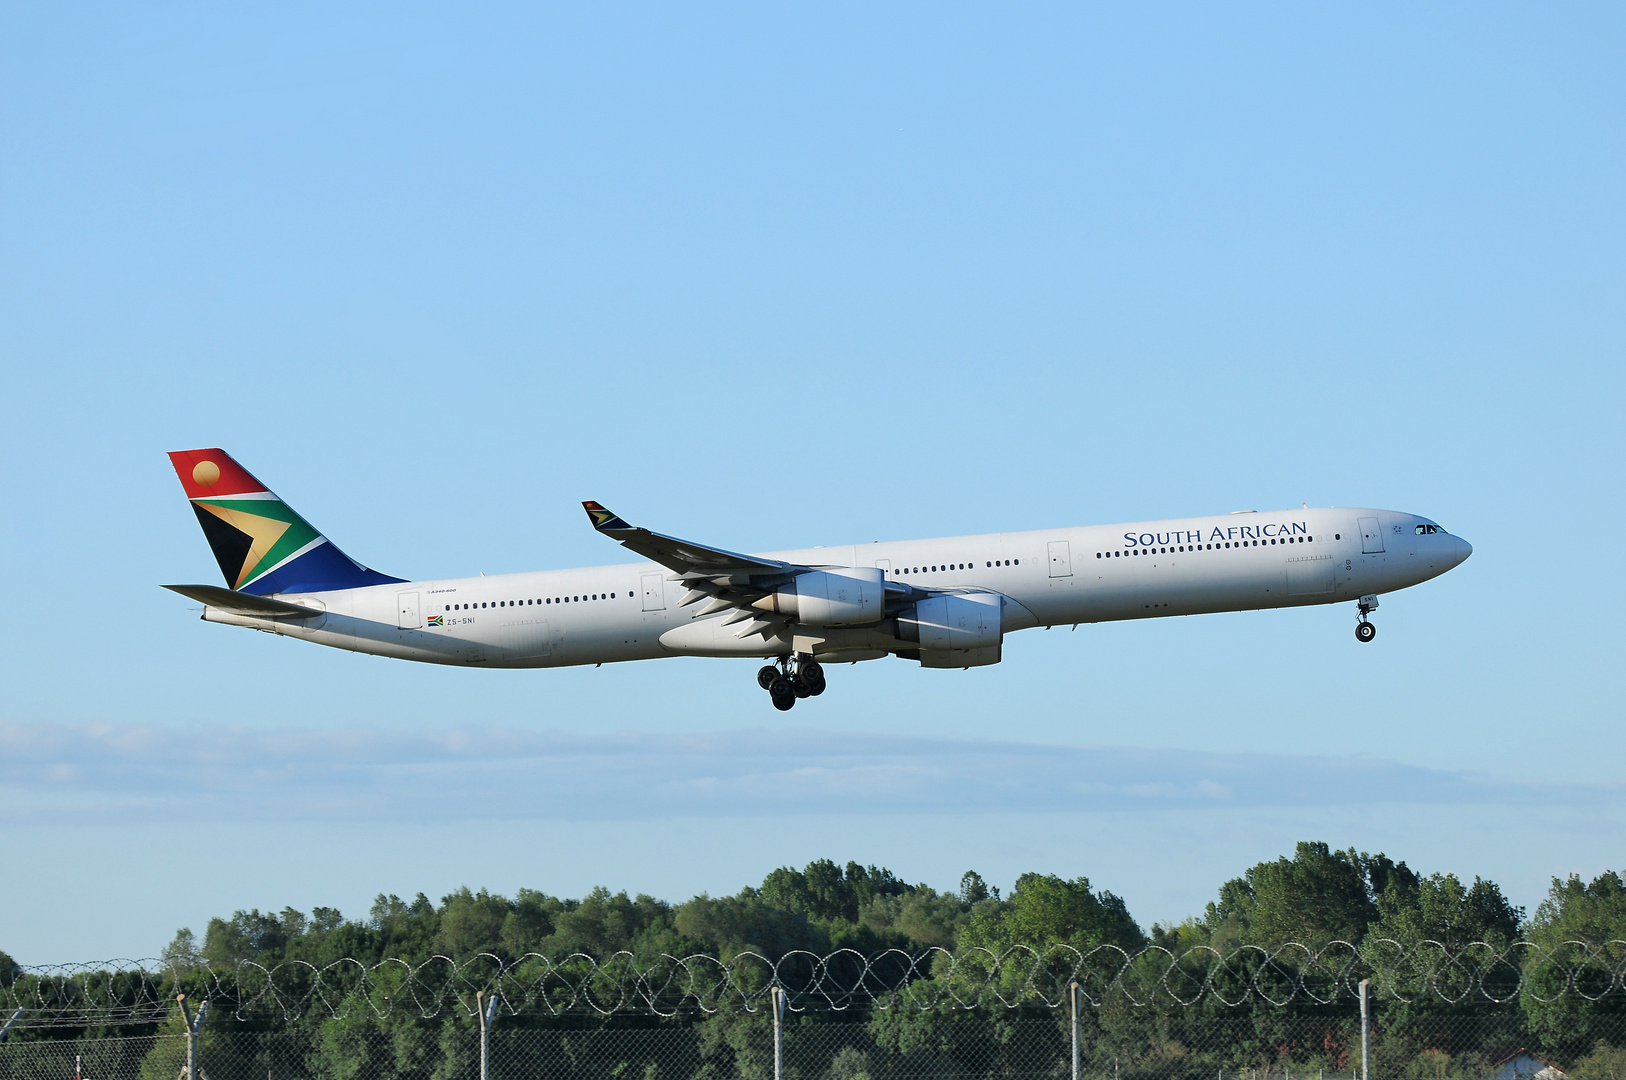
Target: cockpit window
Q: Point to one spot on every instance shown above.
(1421, 529)
(1428, 530)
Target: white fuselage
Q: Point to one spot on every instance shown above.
(631, 611)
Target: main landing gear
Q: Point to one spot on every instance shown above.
(1365, 631)
(785, 684)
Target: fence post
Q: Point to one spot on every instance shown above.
(1074, 991)
(14, 1016)
(486, 1010)
(778, 995)
(192, 1026)
(1366, 1033)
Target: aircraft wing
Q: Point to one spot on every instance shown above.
(726, 578)
(242, 603)
(683, 556)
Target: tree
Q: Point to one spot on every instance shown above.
(1440, 908)
(1573, 911)
(922, 918)
(182, 952)
(1048, 910)
(824, 891)
(1317, 896)
(249, 935)
(1566, 986)
(402, 929)
(729, 925)
(471, 923)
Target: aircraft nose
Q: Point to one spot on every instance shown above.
(1464, 549)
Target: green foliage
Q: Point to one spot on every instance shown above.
(747, 923)
(736, 1046)
(249, 935)
(1315, 897)
(182, 951)
(1440, 908)
(825, 892)
(922, 917)
(412, 1020)
(850, 1063)
(1046, 910)
(1606, 1062)
(1575, 911)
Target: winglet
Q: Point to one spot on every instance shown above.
(603, 520)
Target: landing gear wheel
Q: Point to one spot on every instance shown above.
(1365, 631)
(812, 673)
(800, 687)
(766, 675)
(784, 704)
(782, 692)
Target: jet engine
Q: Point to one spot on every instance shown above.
(955, 630)
(848, 596)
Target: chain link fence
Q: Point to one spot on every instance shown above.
(971, 1047)
(1287, 1014)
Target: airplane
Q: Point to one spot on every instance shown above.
(943, 603)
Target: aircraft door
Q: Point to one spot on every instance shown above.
(1061, 559)
(654, 592)
(406, 611)
(1371, 536)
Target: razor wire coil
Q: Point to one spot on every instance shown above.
(124, 992)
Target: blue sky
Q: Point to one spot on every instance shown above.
(774, 278)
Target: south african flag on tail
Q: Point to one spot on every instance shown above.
(262, 546)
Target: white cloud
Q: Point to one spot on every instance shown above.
(119, 773)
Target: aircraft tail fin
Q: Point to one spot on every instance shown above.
(261, 544)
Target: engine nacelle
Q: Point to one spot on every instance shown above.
(958, 621)
(849, 596)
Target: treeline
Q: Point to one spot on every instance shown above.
(1316, 896)
(1216, 1023)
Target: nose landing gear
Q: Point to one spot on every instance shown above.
(785, 684)
(1365, 631)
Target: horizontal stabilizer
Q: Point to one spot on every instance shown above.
(242, 603)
